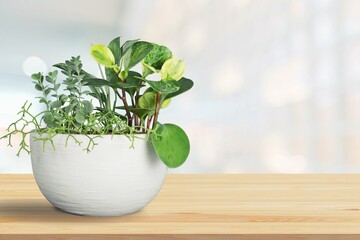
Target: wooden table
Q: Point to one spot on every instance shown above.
(199, 207)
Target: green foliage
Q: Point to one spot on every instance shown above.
(128, 45)
(170, 86)
(171, 144)
(121, 101)
(184, 85)
(148, 101)
(157, 56)
(155, 59)
(136, 54)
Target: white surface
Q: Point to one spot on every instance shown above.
(111, 180)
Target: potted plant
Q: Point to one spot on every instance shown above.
(98, 149)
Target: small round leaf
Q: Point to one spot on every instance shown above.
(79, 117)
(88, 107)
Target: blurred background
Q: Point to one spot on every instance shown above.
(277, 82)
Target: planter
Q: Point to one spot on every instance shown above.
(111, 180)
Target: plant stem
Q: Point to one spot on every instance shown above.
(157, 109)
(135, 117)
(149, 122)
(123, 98)
(114, 104)
(126, 106)
(137, 93)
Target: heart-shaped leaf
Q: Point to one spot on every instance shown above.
(165, 87)
(171, 144)
(185, 85)
(136, 53)
(127, 45)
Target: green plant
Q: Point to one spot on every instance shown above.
(122, 101)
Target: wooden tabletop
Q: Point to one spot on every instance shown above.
(199, 207)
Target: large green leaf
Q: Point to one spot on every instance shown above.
(172, 69)
(164, 86)
(103, 55)
(136, 53)
(127, 45)
(185, 85)
(155, 59)
(171, 144)
(115, 48)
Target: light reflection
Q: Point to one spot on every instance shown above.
(34, 65)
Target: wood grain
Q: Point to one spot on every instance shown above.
(207, 206)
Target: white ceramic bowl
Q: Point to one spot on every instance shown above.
(112, 180)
